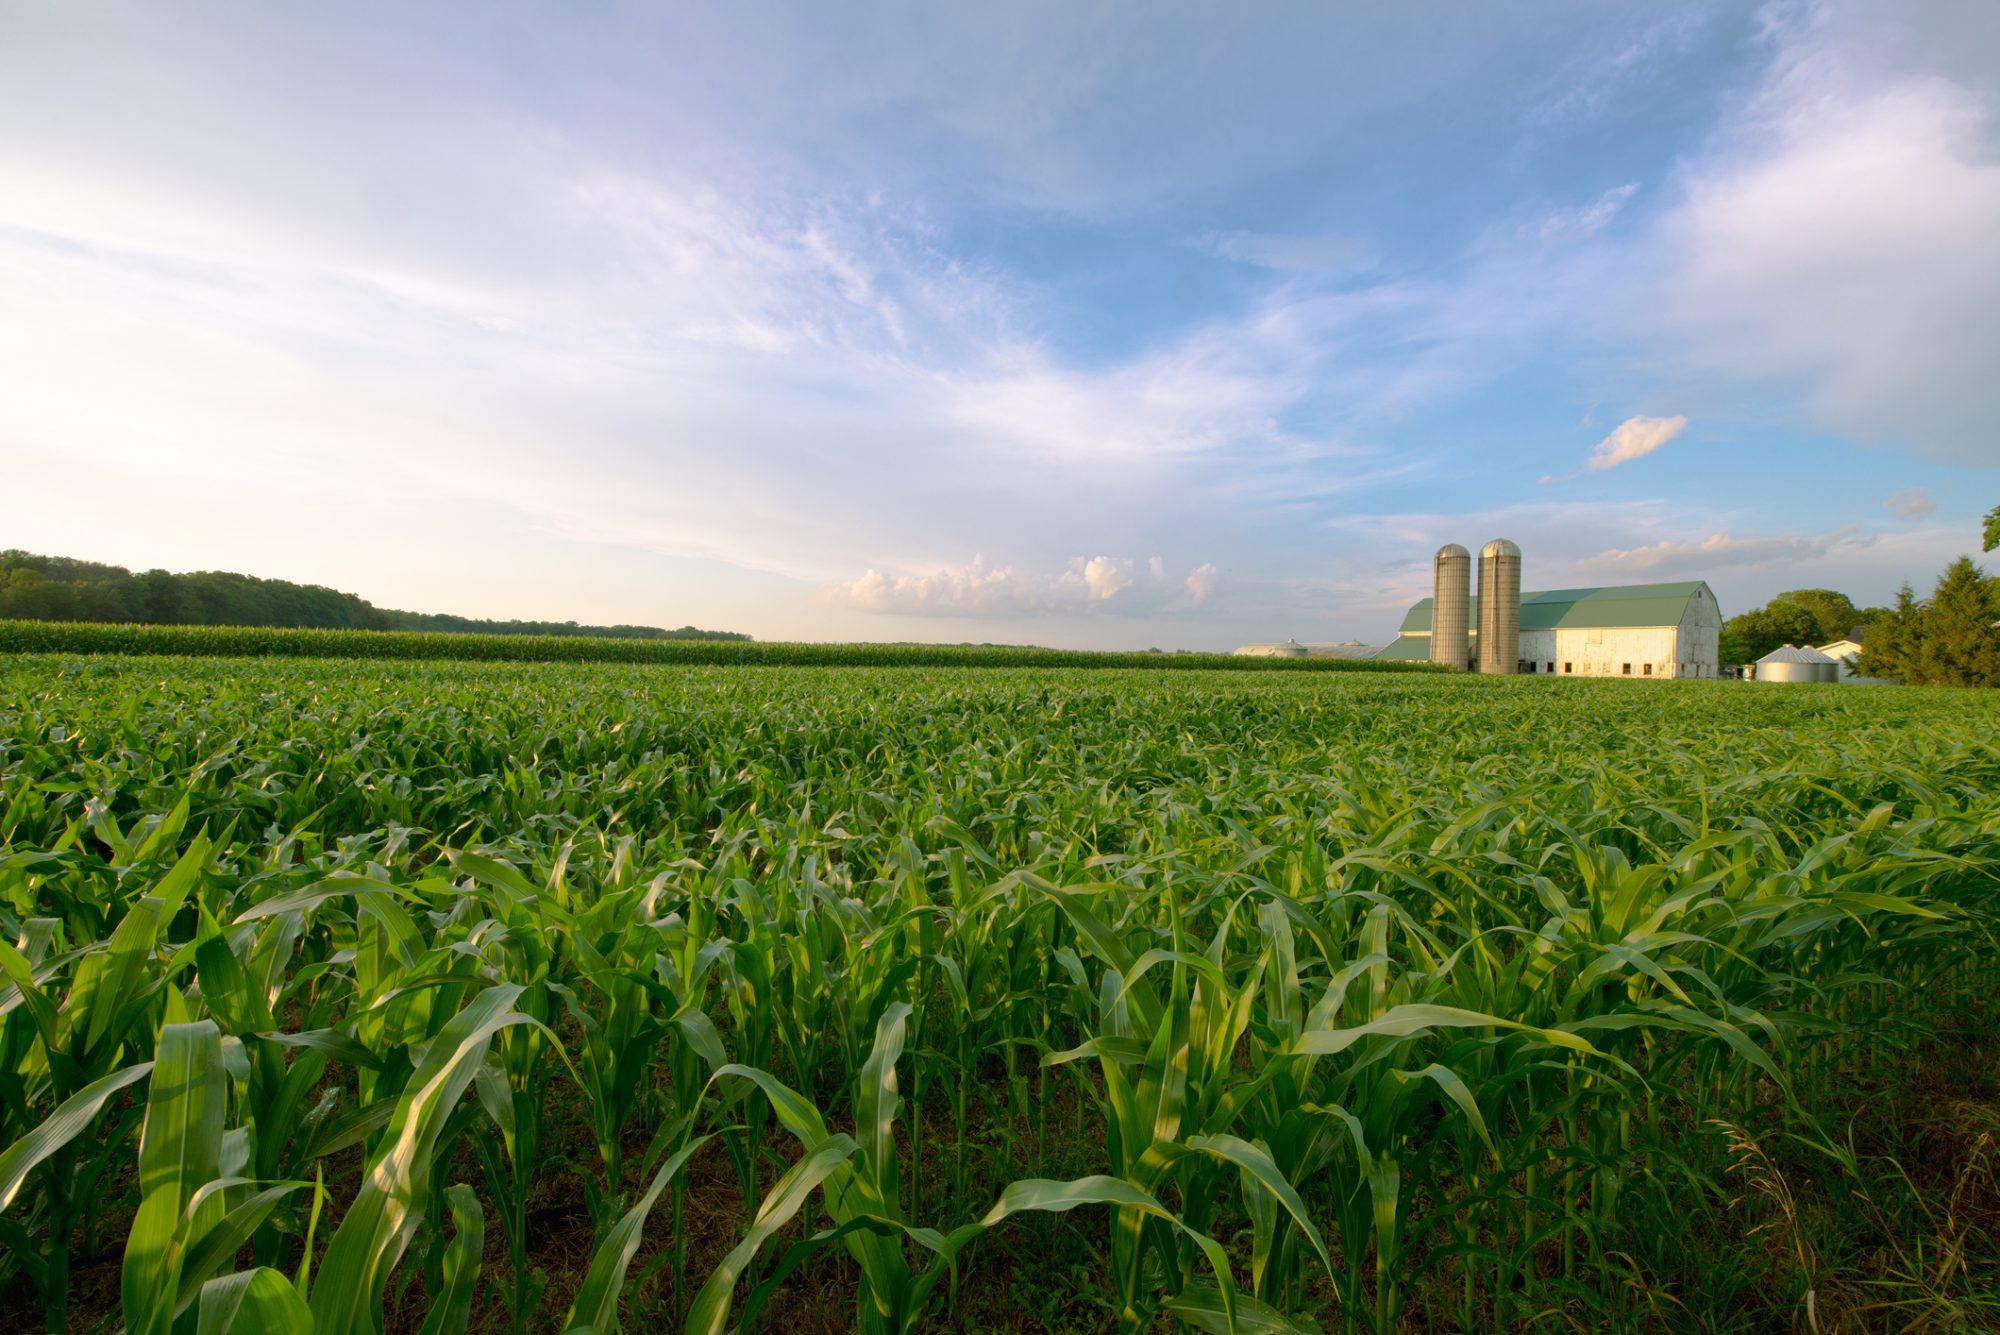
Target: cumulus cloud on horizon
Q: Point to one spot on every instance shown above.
(1118, 585)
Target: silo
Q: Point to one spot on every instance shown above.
(1499, 607)
(1451, 593)
(1794, 664)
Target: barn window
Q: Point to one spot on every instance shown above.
(1649, 669)
(1628, 669)
(1552, 667)
(1569, 667)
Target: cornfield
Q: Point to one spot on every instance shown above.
(78, 637)
(418, 996)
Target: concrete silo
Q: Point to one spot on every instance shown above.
(1451, 600)
(1499, 607)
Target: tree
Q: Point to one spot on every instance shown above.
(1835, 612)
(1892, 640)
(1958, 645)
(1992, 529)
(1748, 637)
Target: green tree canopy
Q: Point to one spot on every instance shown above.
(1748, 637)
(1835, 612)
(1959, 645)
(1893, 635)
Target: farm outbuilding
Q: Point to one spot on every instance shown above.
(1846, 656)
(1632, 630)
(1289, 649)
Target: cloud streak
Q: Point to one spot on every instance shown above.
(1721, 549)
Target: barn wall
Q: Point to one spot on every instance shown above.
(1701, 635)
(1593, 651)
(1539, 648)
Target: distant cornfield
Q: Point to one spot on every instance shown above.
(350, 997)
(77, 637)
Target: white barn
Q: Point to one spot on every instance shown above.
(1632, 630)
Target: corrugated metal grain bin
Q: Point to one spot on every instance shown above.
(1794, 664)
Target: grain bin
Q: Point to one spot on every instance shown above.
(1794, 664)
(1450, 606)
(1499, 607)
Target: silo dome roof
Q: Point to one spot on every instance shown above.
(1793, 654)
(1451, 549)
(1498, 547)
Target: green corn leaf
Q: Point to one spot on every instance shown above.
(252, 1302)
(180, 1153)
(60, 1127)
(1057, 1197)
(1205, 1307)
(596, 1305)
(452, 1309)
(219, 1245)
(710, 1313)
(384, 1216)
(1456, 1089)
(105, 982)
(1257, 1164)
(875, 1121)
(796, 1113)
(1413, 1018)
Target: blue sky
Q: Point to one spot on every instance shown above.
(1085, 324)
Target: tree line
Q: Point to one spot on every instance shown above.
(61, 588)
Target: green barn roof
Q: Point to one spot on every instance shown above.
(1624, 605)
(1412, 647)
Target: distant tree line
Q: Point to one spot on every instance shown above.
(61, 588)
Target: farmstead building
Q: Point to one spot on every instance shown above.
(1632, 630)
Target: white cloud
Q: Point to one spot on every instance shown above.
(1201, 582)
(1720, 549)
(1837, 243)
(1098, 584)
(1911, 503)
(1634, 438)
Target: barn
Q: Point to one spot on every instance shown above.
(1630, 630)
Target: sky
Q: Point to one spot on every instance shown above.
(1089, 324)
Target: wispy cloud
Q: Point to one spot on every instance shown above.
(1277, 250)
(1584, 221)
(1911, 503)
